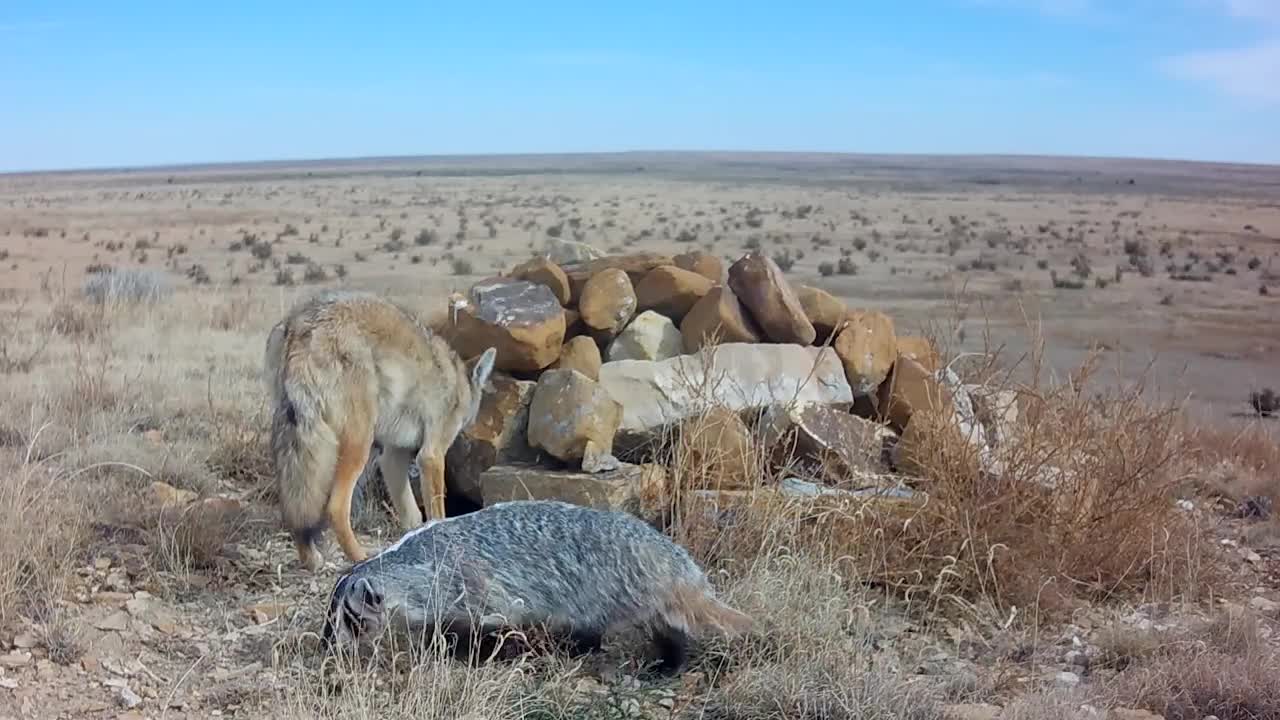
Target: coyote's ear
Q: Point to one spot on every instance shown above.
(484, 366)
(365, 598)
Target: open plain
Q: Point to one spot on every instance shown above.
(1166, 273)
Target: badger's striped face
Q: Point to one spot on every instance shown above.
(356, 611)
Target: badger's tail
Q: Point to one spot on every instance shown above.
(304, 452)
(697, 608)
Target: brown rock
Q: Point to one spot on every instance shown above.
(910, 388)
(716, 452)
(573, 323)
(759, 284)
(717, 318)
(921, 350)
(930, 435)
(569, 411)
(631, 488)
(635, 265)
(825, 311)
(867, 346)
(705, 264)
(544, 272)
(581, 354)
(166, 494)
(608, 301)
(498, 435)
(670, 291)
(523, 320)
(849, 448)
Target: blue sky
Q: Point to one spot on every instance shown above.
(93, 84)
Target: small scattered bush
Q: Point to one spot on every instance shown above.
(129, 285)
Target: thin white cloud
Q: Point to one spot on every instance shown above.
(1250, 73)
(1268, 10)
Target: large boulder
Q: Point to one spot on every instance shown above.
(523, 320)
(736, 376)
(582, 354)
(649, 337)
(921, 350)
(717, 318)
(909, 388)
(759, 284)
(572, 417)
(497, 436)
(825, 311)
(671, 291)
(849, 450)
(716, 451)
(867, 346)
(635, 265)
(705, 264)
(637, 489)
(607, 302)
(544, 272)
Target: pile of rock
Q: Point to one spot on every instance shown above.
(609, 357)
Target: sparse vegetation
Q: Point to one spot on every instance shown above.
(1097, 549)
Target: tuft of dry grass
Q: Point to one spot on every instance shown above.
(44, 522)
(1222, 667)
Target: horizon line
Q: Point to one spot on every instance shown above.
(347, 159)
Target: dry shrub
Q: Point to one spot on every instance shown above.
(1078, 502)
(43, 528)
(1082, 502)
(75, 320)
(185, 539)
(1223, 668)
(1242, 463)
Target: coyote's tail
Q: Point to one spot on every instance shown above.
(698, 609)
(304, 450)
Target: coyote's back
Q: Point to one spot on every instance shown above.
(346, 370)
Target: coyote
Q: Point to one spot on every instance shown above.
(346, 370)
(536, 566)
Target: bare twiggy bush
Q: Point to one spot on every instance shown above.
(127, 286)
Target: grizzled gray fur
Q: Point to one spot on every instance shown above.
(575, 572)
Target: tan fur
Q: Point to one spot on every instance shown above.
(694, 609)
(346, 370)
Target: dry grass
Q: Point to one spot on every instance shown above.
(43, 527)
(1221, 667)
(128, 394)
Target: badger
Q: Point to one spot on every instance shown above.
(571, 572)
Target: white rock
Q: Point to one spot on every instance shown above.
(128, 698)
(737, 376)
(650, 336)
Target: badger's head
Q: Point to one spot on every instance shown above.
(357, 610)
